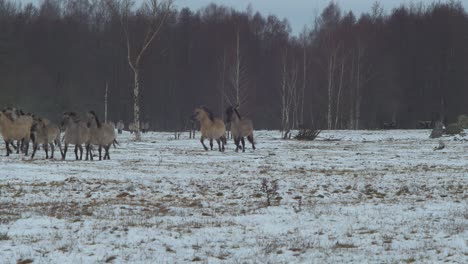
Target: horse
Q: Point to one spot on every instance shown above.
(15, 128)
(210, 127)
(76, 133)
(100, 134)
(46, 133)
(240, 128)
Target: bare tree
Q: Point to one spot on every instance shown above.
(288, 93)
(237, 94)
(304, 44)
(222, 82)
(340, 91)
(157, 13)
(222, 88)
(363, 74)
(105, 102)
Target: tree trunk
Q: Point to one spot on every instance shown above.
(304, 80)
(330, 93)
(136, 104)
(223, 82)
(352, 94)
(357, 105)
(105, 102)
(238, 99)
(338, 97)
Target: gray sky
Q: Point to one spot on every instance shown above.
(301, 12)
(298, 12)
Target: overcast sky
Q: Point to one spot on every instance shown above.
(298, 12)
(301, 12)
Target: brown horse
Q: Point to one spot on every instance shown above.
(45, 133)
(210, 127)
(240, 128)
(76, 133)
(100, 134)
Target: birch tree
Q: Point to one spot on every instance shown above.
(156, 13)
(330, 43)
(363, 74)
(288, 93)
(236, 95)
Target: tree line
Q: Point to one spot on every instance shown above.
(341, 72)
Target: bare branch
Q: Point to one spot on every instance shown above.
(166, 9)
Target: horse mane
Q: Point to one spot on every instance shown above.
(208, 111)
(9, 115)
(95, 118)
(73, 116)
(237, 113)
(41, 121)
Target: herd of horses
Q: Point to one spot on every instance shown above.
(19, 129)
(213, 128)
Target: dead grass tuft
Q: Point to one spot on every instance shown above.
(339, 245)
(24, 261)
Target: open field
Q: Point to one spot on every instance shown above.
(373, 196)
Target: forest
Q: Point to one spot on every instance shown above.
(342, 72)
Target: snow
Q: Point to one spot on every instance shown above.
(370, 196)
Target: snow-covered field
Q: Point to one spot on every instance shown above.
(373, 196)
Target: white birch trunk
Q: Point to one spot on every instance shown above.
(136, 104)
(304, 80)
(357, 105)
(105, 102)
(330, 92)
(237, 78)
(338, 97)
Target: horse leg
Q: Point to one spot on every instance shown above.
(26, 146)
(64, 153)
(13, 145)
(223, 141)
(23, 146)
(89, 151)
(211, 143)
(243, 144)
(107, 152)
(81, 151)
(34, 150)
(202, 140)
(100, 150)
(219, 144)
(7, 144)
(46, 149)
(52, 148)
(76, 152)
(251, 140)
(60, 147)
(239, 146)
(236, 142)
(18, 146)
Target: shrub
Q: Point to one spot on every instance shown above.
(453, 129)
(462, 121)
(307, 134)
(437, 133)
(270, 189)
